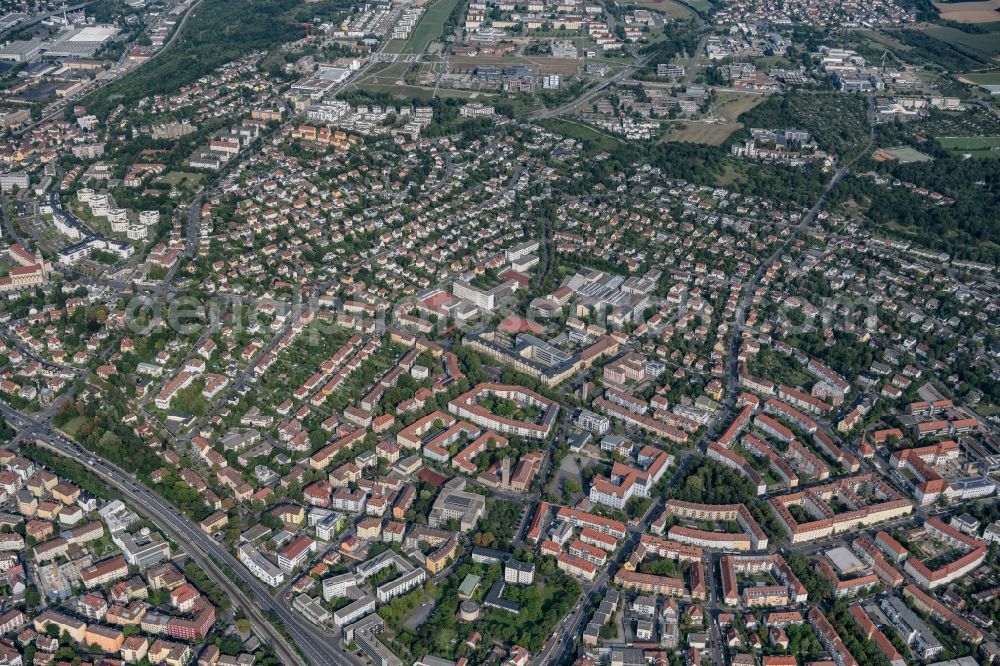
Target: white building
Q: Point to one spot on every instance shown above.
(328, 112)
(259, 566)
(402, 585)
(118, 217)
(594, 422)
(519, 573)
(338, 586)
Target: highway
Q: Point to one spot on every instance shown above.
(318, 647)
(35, 20)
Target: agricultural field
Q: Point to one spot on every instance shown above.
(977, 146)
(981, 11)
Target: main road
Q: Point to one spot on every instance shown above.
(593, 92)
(319, 648)
(751, 286)
(560, 644)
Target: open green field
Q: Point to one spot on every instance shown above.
(385, 85)
(544, 65)
(986, 45)
(728, 107)
(978, 146)
(428, 28)
(882, 39)
(712, 134)
(387, 75)
(700, 5)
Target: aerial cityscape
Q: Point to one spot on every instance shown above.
(500, 332)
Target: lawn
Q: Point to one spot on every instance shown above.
(73, 426)
(978, 146)
(175, 178)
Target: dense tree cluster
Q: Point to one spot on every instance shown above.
(938, 53)
(816, 583)
(227, 31)
(838, 122)
(966, 228)
(710, 483)
(542, 606)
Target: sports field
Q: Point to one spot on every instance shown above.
(977, 146)
(905, 154)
